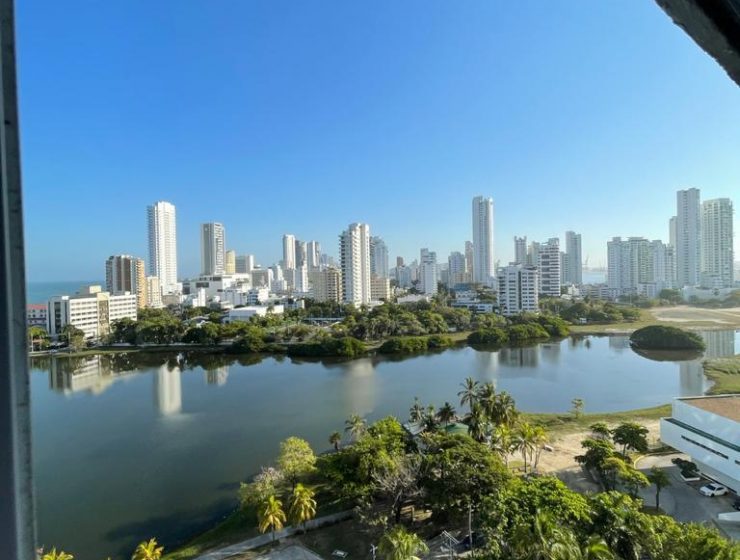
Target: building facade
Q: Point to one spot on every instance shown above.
(378, 257)
(548, 264)
(124, 273)
(163, 245)
(326, 284)
(483, 253)
(518, 289)
(244, 264)
(573, 259)
(708, 430)
(230, 262)
(354, 251)
(92, 311)
(717, 257)
(212, 248)
(688, 237)
(153, 292)
(288, 251)
(520, 250)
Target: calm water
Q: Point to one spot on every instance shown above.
(126, 449)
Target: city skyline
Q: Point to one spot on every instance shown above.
(591, 126)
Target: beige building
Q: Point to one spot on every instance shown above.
(153, 292)
(230, 262)
(380, 289)
(326, 285)
(91, 310)
(124, 273)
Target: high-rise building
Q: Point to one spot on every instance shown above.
(663, 265)
(548, 265)
(639, 266)
(230, 262)
(153, 292)
(124, 273)
(288, 251)
(399, 261)
(212, 242)
(672, 231)
(533, 253)
(573, 258)
(300, 252)
(469, 258)
(518, 289)
(378, 257)
(520, 250)
(428, 271)
(244, 264)
(163, 245)
(326, 284)
(716, 244)
(313, 255)
(688, 238)
(483, 257)
(354, 251)
(380, 288)
(456, 273)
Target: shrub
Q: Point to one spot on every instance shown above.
(532, 331)
(491, 335)
(344, 347)
(404, 345)
(659, 337)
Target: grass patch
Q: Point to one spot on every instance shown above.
(558, 423)
(725, 374)
(241, 524)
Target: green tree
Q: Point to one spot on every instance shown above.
(296, 459)
(399, 544)
(597, 451)
(148, 550)
(355, 426)
(75, 337)
(38, 338)
(264, 484)
(446, 414)
(302, 505)
(658, 478)
(578, 406)
(416, 411)
(335, 439)
(477, 422)
(270, 516)
(541, 538)
(600, 430)
(631, 435)
(54, 555)
(504, 410)
(469, 393)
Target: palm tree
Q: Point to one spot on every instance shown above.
(524, 442)
(355, 426)
(302, 505)
(416, 411)
(540, 439)
(148, 550)
(660, 479)
(335, 439)
(487, 398)
(399, 544)
(477, 423)
(270, 515)
(429, 419)
(544, 540)
(469, 393)
(504, 410)
(446, 414)
(501, 442)
(54, 555)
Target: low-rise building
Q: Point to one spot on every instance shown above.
(326, 284)
(91, 310)
(246, 313)
(708, 430)
(36, 315)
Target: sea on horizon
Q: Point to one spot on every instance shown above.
(40, 292)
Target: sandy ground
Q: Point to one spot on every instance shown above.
(684, 314)
(561, 461)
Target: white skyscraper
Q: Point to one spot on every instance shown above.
(548, 264)
(163, 245)
(378, 257)
(716, 243)
(354, 251)
(456, 273)
(672, 231)
(574, 262)
(288, 251)
(244, 264)
(313, 255)
(518, 289)
(212, 242)
(688, 238)
(483, 261)
(428, 272)
(520, 250)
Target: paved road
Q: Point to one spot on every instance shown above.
(683, 501)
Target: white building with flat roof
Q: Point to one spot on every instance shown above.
(91, 310)
(688, 237)
(716, 244)
(548, 265)
(518, 289)
(708, 430)
(246, 313)
(483, 249)
(163, 245)
(354, 251)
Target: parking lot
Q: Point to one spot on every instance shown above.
(683, 501)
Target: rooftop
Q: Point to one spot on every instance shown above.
(721, 405)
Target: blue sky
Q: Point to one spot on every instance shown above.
(302, 117)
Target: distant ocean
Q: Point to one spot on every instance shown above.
(40, 292)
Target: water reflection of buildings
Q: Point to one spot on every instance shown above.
(217, 376)
(487, 364)
(719, 344)
(72, 375)
(619, 343)
(358, 386)
(525, 356)
(168, 390)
